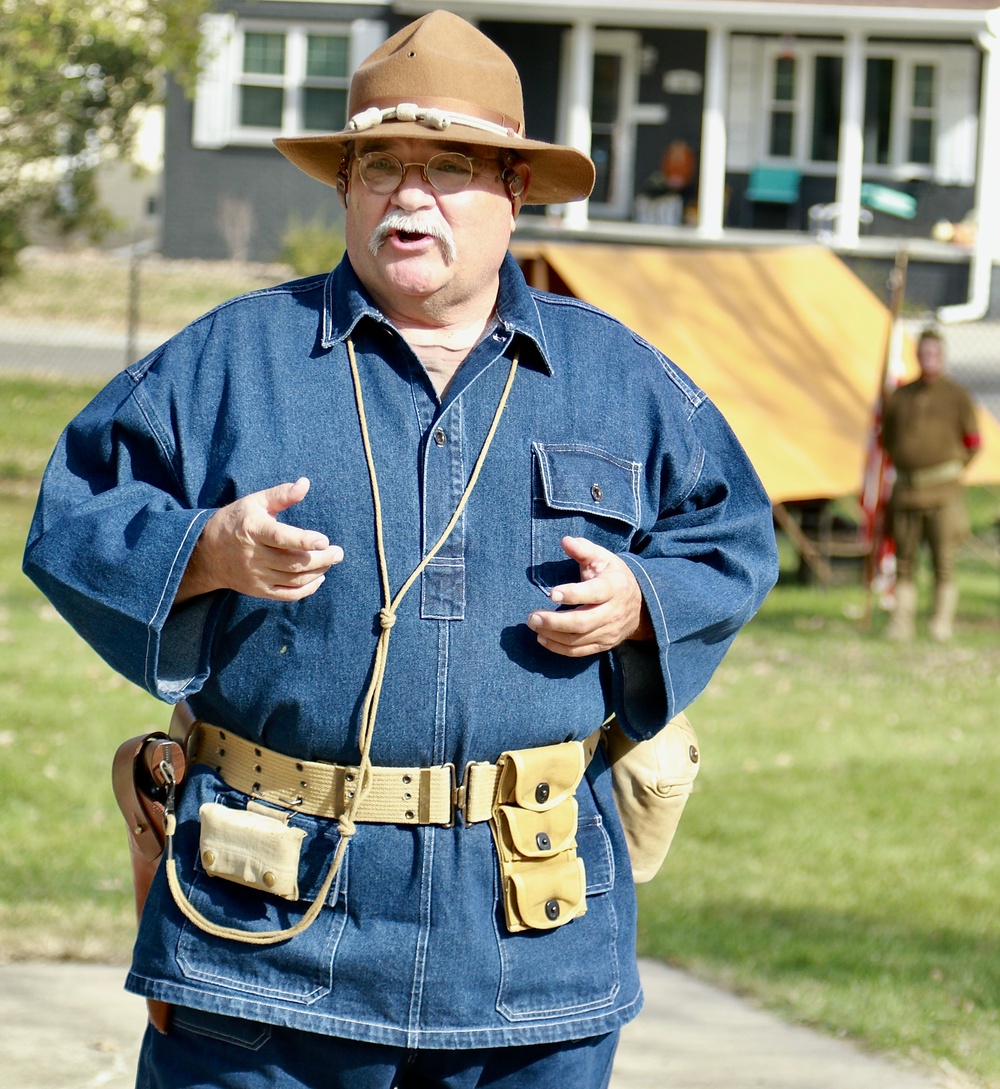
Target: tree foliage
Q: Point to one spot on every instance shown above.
(74, 78)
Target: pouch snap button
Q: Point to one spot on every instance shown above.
(542, 793)
(552, 909)
(543, 842)
(269, 879)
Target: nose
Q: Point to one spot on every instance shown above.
(414, 191)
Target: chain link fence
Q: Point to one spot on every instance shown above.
(83, 316)
(86, 315)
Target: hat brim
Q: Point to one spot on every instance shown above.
(558, 174)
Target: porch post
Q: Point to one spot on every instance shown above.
(987, 247)
(578, 127)
(850, 158)
(712, 172)
(988, 233)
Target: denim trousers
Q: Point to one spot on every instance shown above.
(215, 1051)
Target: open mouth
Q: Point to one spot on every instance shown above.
(411, 236)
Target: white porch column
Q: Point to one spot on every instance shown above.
(578, 127)
(988, 234)
(987, 185)
(850, 161)
(712, 172)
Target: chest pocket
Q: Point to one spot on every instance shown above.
(578, 491)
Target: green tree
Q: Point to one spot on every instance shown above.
(74, 77)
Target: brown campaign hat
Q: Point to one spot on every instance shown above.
(439, 78)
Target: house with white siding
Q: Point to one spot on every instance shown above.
(864, 125)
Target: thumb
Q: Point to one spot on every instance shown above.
(591, 557)
(582, 550)
(282, 496)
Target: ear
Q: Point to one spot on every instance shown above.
(343, 180)
(516, 177)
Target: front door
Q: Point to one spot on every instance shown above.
(612, 139)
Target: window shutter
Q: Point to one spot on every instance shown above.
(745, 102)
(213, 102)
(957, 130)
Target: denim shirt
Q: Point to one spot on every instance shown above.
(602, 437)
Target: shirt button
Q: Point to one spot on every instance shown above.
(440, 437)
(597, 492)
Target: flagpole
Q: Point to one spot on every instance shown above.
(874, 492)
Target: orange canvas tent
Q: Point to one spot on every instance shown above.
(788, 342)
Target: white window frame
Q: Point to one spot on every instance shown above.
(904, 111)
(905, 60)
(626, 44)
(795, 105)
(216, 121)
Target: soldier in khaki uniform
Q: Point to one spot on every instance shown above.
(931, 434)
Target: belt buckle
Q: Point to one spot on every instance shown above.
(457, 794)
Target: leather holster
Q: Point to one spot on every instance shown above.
(140, 790)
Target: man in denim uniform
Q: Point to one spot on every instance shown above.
(233, 522)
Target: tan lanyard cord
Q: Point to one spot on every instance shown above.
(387, 618)
(387, 614)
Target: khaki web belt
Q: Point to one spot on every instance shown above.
(394, 796)
(944, 473)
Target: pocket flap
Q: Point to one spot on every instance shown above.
(539, 835)
(251, 849)
(665, 765)
(549, 896)
(541, 778)
(584, 478)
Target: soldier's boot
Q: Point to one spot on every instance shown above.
(945, 603)
(902, 626)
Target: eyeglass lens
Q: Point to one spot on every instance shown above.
(382, 173)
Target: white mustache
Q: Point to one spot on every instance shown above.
(415, 223)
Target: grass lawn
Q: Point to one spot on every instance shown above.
(840, 860)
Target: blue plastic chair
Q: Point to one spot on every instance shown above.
(774, 185)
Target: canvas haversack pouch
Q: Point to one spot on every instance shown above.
(254, 847)
(652, 781)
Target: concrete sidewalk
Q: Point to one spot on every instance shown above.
(71, 1026)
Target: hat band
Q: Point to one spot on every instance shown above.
(431, 116)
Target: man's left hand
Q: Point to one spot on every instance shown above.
(608, 605)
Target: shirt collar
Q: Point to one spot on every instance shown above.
(345, 303)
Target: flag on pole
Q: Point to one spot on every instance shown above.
(880, 553)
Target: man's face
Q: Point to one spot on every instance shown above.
(930, 356)
(438, 253)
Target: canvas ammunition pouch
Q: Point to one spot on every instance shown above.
(534, 827)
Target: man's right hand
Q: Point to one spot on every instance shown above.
(244, 547)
